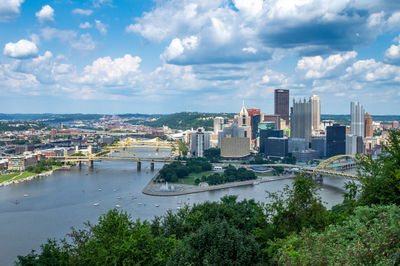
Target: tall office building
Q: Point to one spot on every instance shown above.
(316, 112)
(335, 140)
(255, 118)
(218, 124)
(244, 121)
(368, 126)
(357, 119)
(267, 133)
(301, 120)
(282, 104)
(233, 131)
(200, 141)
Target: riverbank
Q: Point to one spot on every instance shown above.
(154, 189)
(21, 178)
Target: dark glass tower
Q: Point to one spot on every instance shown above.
(282, 104)
(335, 140)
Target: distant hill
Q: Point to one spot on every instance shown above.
(186, 120)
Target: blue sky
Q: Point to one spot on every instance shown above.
(109, 56)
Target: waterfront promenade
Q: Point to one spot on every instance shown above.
(154, 189)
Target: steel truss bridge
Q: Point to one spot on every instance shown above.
(325, 167)
(122, 147)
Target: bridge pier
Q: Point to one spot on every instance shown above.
(79, 165)
(318, 178)
(139, 165)
(152, 165)
(91, 164)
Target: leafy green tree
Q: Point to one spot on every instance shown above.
(380, 179)
(369, 237)
(216, 243)
(213, 154)
(51, 254)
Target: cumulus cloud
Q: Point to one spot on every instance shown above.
(308, 27)
(85, 25)
(102, 28)
(371, 71)
(316, 67)
(46, 14)
(10, 10)
(83, 12)
(116, 71)
(84, 42)
(392, 54)
(22, 49)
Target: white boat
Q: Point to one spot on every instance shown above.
(99, 189)
(96, 204)
(157, 205)
(118, 206)
(140, 203)
(118, 197)
(26, 195)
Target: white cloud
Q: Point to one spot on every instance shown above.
(102, 28)
(392, 54)
(85, 25)
(250, 50)
(82, 42)
(372, 71)
(21, 50)
(53, 33)
(9, 9)
(177, 47)
(46, 14)
(316, 67)
(85, 42)
(83, 12)
(105, 70)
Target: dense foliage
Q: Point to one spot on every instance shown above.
(177, 170)
(231, 174)
(292, 228)
(213, 154)
(20, 126)
(43, 166)
(186, 120)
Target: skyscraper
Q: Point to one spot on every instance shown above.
(316, 112)
(200, 141)
(301, 120)
(282, 104)
(218, 124)
(368, 126)
(255, 118)
(357, 119)
(335, 140)
(244, 120)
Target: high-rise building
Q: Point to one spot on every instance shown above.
(281, 98)
(357, 119)
(395, 124)
(235, 148)
(244, 121)
(267, 133)
(255, 118)
(368, 126)
(218, 124)
(351, 144)
(318, 143)
(200, 141)
(277, 147)
(335, 140)
(301, 120)
(316, 112)
(233, 131)
(276, 119)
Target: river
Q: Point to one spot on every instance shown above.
(53, 204)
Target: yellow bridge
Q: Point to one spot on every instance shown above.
(321, 169)
(122, 147)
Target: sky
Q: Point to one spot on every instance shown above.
(137, 56)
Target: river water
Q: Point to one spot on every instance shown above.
(49, 206)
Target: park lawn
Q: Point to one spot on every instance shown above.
(8, 177)
(190, 179)
(25, 175)
(267, 174)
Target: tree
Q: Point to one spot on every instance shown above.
(216, 243)
(380, 179)
(212, 154)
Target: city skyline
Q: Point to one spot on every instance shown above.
(106, 56)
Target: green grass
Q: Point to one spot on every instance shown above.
(5, 178)
(25, 175)
(267, 174)
(190, 179)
